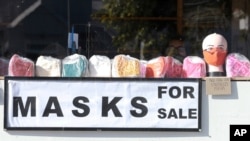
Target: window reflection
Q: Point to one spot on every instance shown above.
(143, 28)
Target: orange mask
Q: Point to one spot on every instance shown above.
(215, 57)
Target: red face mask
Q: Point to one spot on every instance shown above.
(215, 56)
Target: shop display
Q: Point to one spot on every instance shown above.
(175, 69)
(99, 66)
(21, 66)
(237, 65)
(74, 66)
(168, 65)
(143, 68)
(193, 67)
(48, 66)
(125, 66)
(214, 51)
(156, 68)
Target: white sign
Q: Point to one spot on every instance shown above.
(102, 104)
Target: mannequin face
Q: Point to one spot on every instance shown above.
(214, 49)
(214, 41)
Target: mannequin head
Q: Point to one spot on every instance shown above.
(214, 48)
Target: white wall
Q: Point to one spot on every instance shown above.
(218, 112)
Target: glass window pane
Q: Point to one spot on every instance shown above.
(143, 29)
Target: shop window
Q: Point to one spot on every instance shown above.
(143, 28)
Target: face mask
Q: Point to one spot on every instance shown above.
(215, 57)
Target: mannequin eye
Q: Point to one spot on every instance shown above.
(209, 49)
(221, 47)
